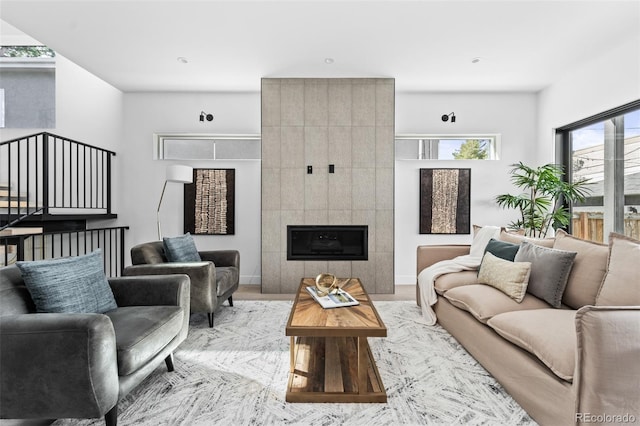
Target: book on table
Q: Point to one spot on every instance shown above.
(336, 299)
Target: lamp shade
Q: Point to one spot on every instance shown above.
(179, 173)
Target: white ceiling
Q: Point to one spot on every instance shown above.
(425, 45)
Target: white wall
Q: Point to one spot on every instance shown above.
(611, 78)
(512, 115)
(88, 110)
(143, 177)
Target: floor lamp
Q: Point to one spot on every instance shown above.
(175, 173)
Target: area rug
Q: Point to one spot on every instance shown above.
(237, 372)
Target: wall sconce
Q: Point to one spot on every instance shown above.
(445, 117)
(204, 115)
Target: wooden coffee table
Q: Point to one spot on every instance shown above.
(330, 357)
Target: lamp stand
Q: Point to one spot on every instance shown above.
(158, 211)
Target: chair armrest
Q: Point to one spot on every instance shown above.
(151, 290)
(607, 376)
(203, 287)
(57, 365)
(222, 257)
(201, 274)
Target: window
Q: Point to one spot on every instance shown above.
(605, 149)
(453, 147)
(206, 147)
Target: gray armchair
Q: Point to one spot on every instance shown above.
(213, 280)
(81, 365)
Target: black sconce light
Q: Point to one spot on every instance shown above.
(204, 115)
(445, 117)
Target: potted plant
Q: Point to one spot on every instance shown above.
(542, 204)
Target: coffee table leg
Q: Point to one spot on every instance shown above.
(363, 365)
(292, 355)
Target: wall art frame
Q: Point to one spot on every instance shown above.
(209, 202)
(445, 201)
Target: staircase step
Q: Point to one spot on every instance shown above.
(20, 231)
(14, 196)
(14, 204)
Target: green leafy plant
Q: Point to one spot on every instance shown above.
(542, 204)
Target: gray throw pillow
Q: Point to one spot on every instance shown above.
(550, 270)
(69, 285)
(181, 249)
(502, 249)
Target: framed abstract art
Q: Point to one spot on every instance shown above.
(445, 200)
(209, 202)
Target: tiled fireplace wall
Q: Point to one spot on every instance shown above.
(317, 122)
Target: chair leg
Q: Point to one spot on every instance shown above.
(230, 299)
(111, 418)
(210, 315)
(169, 361)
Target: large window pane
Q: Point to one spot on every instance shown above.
(607, 152)
(632, 174)
(587, 162)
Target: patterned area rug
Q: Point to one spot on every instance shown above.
(237, 372)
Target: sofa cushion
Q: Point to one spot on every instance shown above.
(142, 332)
(621, 286)
(484, 302)
(502, 249)
(517, 239)
(587, 272)
(550, 270)
(226, 278)
(69, 285)
(181, 249)
(511, 278)
(549, 334)
(455, 279)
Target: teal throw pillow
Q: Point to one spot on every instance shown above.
(550, 270)
(69, 285)
(502, 249)
(181, 249)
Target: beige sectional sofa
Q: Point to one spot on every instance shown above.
(576, 364)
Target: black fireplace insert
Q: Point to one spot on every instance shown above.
(327, 242)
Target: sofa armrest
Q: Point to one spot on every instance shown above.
(607, 376)
(222, 257)
(429, 255)
(57, 365)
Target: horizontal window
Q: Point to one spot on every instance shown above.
(452, 147)
(206, 147)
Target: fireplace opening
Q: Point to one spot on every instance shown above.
(327, 242)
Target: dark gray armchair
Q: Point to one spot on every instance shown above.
(213, 280)
(80, 365)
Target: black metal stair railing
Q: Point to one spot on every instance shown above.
(47, 174)
(51, 245)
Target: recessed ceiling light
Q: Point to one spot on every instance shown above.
(475, 60)
(328, 60)
(182, 60)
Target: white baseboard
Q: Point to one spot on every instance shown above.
(405, 279)
(250, 280)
